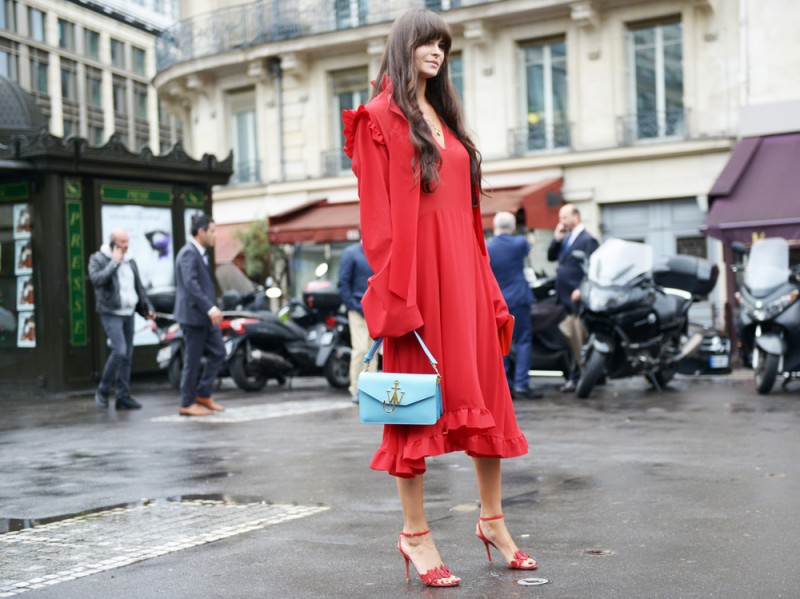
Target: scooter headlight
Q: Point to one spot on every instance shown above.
(760, 311)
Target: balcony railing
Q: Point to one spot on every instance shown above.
(267, 21)
(246, 172)
(644, 126)
(335, 163)
(540, 137)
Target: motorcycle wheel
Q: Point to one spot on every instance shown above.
(240, 376)
(766, 372)
(592, 371)
(337, 368)
(664, 376)
(174, 371)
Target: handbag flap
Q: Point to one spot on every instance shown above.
(406, 389)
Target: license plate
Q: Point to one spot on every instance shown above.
(326, 338)
(719, 361)
(164, 354)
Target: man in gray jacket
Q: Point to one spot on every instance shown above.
(119, 293)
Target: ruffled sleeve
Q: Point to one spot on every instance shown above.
(387, 313)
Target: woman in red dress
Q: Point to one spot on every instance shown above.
(419, 185)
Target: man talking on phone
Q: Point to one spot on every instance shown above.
(119, 293)
(570, 235)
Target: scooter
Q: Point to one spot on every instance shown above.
(768, 320)
(637, 313)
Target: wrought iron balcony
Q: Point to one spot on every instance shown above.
(335, 163)
(540, 137)
(267, 21)
(644, 126)
(246, 172)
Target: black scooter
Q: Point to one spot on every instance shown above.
(768, 320)
(637, 313)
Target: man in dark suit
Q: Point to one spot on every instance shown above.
(569, 236)
(199, 317)
(507, 253)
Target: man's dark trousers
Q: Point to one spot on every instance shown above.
(117, 372)
(197, 341)
(522, 341)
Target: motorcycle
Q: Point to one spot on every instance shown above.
(637, 313)
(768, 319)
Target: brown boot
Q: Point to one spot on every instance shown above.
(208, 402)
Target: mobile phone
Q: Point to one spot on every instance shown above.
(112, 244)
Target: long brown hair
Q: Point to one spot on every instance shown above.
(410, 31)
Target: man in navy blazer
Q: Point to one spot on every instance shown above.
(570, 235)
(507, 253)
(199, 317)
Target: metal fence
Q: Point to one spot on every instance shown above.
(669, 124)
(267, 21)
(539, 137)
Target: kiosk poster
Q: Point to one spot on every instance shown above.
(26, 329)
(151, 246)
(25, 294)
(22, 221)
(23, 257)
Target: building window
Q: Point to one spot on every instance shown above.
(91, 44)
(439, 5)
(119, 87)
(545, 123)
(244, 138)
(140, 101)
(9, 62)
(655, 54)
(455, 64)
(96, 135)
(8, 15)
(94, 87)
(69, 80)
(70, 127)
(138, 61)
(117, 53)
(36, 24)
(66, 35)
(350, 13)
(38, 71)
(349, 89)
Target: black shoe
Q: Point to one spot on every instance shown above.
(526, 394)
(128, 404)
(568, 387)
(100, 399)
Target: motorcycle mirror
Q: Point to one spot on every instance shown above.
(321, 270)
(739, 248)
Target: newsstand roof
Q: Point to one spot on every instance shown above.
(18, 110)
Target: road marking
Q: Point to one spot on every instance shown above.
(38, 557)
(261, 412)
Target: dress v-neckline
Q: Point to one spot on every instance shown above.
(441, 147)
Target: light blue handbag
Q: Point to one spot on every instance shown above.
(399, 398)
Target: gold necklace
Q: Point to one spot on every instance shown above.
(436, 129)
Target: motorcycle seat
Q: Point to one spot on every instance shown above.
(669, 308)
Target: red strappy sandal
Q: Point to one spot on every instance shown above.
(520, 557)
(435, 577)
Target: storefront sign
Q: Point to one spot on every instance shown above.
(194, 197)
(14, 192)
(75, 266)
(122, 194)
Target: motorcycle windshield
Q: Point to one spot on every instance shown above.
(617, 262)
(768, 265)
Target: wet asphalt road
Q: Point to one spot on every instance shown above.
(693, 492)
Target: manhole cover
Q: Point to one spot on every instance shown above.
(598, 552)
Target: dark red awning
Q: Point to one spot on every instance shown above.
(319, 222)
(758, 192)
(541, 202)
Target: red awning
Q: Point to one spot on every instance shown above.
(541, 202)
(758, 191)
(319, 222)
(227, 247)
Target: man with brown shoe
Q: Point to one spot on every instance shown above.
(199, 317)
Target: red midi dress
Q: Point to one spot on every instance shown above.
(455, 299)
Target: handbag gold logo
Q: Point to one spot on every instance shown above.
(392, 398)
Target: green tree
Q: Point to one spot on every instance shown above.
(261, 258)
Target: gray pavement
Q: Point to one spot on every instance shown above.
(692, 492)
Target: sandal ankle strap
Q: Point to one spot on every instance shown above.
(490, 517)
(414, 534)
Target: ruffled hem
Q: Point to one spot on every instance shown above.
(350, 119)
(462, 430)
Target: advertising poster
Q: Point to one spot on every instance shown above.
(25, 297)
(23, 257)
(26, 329)
(151, 246)
(22, 221)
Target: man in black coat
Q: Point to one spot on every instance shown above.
(199, 317)
(570, 235)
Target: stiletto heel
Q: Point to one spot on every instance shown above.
(520, 557)
(433, 577)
